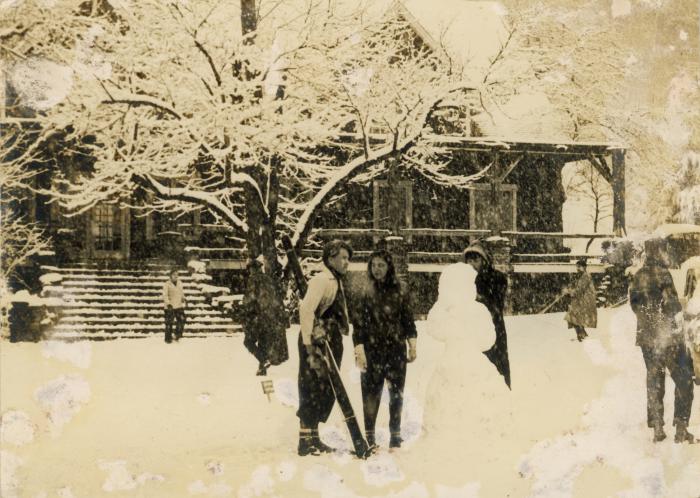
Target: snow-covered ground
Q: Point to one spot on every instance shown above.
(142, 418)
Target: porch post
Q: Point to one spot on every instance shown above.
(496, 216)
(618, 187)
(396, 246)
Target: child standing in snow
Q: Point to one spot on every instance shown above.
(174, 301)
(383, 327)
(582, 308)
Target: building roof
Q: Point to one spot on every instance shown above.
(471, 32)
(559, 147)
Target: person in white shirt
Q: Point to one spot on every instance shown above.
(175, 303)
(323, 316)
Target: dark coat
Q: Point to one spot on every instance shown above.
(582, 309)
(264, 319)
(491, 289)
(382, 318)
(654, 300)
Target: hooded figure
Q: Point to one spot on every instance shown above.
(491, 289)
(264, 319)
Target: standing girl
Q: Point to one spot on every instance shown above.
(383, 328)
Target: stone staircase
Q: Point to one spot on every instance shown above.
(109, 303)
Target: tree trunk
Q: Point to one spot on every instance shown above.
(265, 331)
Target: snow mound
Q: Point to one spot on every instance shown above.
(381, 469)
(120, 479)
(62, 399)
(286, 471)
(216, 489)
(16, 428)
(261, 483)
(286, 392)
(320, 479)
(65, 493)
(9, 482)
(77, 353)
(471, 490)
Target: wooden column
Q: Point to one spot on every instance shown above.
(618, 187)
(495, 180)
(396, 246)
(126, 232)
(395, 192)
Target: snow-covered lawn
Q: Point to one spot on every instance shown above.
(142, 418)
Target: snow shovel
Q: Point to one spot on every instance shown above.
(548, 307)
(619, 303)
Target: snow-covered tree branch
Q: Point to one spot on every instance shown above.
(259, 128)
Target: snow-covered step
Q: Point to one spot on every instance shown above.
(155, 284)
(160, 270)
(95, 296)
(189, 291)
(120, 279)
(69, 305)
(138, 326)
(102, 336)
(190, 311)
(140, 319)
(111, 302)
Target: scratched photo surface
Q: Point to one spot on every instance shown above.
(348, 248)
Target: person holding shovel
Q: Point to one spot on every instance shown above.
(323, 316)
(582, 311)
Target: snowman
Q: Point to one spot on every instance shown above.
(466, 394)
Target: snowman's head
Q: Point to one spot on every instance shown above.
(457, 284)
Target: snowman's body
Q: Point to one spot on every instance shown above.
(465, 388)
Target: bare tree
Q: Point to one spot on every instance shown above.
(587, 184)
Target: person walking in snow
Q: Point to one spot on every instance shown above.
(654, 300)
(264, 319)
(582, 311)
(323, 316)
(491, 288)
(383, 327)
(175, 303)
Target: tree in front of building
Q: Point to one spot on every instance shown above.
(257, 112)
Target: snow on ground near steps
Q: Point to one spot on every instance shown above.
(142, 418)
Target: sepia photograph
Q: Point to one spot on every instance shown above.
(350, 248)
